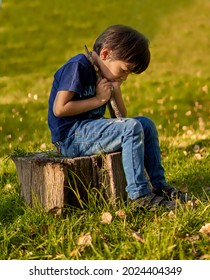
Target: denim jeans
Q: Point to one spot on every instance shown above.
(137, 138)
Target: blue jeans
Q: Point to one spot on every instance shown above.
(137, 138)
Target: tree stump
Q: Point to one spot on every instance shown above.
(52, 181)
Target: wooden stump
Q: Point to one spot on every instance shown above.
(52, 181)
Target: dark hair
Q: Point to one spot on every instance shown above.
(127, 45)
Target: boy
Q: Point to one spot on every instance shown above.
(81, 90)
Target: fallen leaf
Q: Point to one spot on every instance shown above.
(161, 101)
(193, 238)
(192, 203)
(203, 150)
(197, 156)
(188, 113)
(84, 240)
(8, 187)
(138, 237)
(121, 214)
(106, 218)
(171, 215)
(205, 229)
(205, 257)
(205, 89)
(196, 148)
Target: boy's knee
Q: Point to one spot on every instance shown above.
(134, 125)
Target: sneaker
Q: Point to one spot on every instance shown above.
(171, 193)
(152, 202)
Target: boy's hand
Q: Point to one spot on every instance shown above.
(116, 85)
(103, 90)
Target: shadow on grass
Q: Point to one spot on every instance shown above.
(200, 143)
(11, 207)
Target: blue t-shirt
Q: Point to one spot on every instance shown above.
(79, 76)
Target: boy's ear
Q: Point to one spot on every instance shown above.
(104, 53)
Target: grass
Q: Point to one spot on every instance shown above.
(35, 39)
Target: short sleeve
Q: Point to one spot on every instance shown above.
(72, 77)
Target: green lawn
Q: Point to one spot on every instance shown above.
(36, 37)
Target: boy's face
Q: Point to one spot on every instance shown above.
(113, 70)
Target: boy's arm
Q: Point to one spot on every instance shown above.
(119, 101)
(64, 105)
